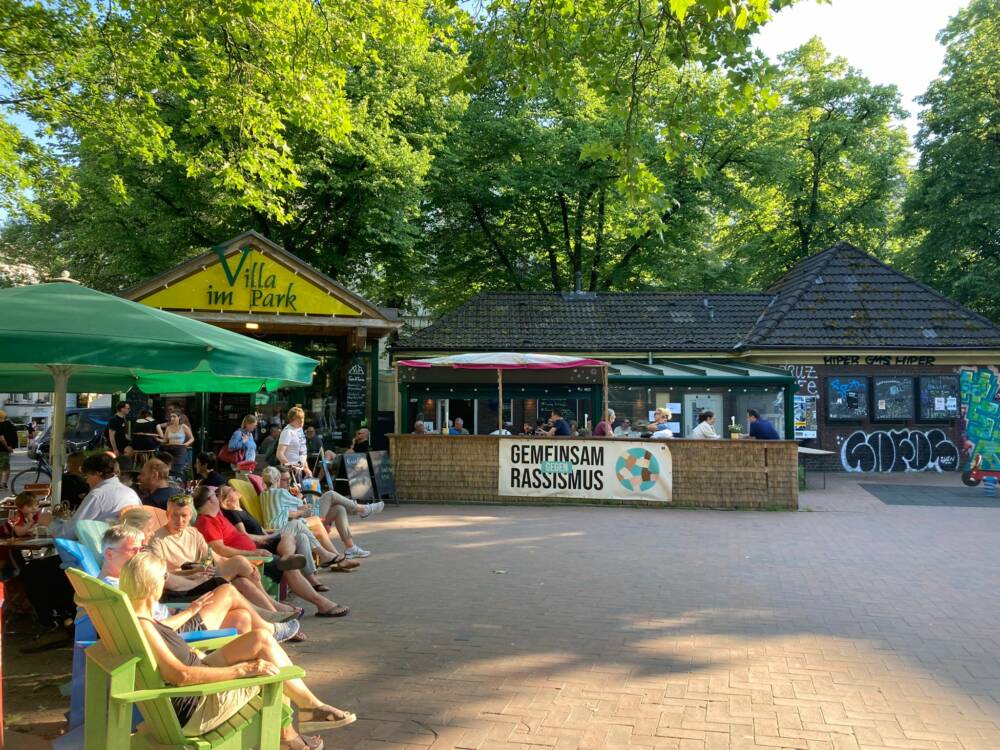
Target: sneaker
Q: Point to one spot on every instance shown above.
(285, 630)
(372, 508)
(355, 551)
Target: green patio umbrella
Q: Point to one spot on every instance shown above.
(62, 337)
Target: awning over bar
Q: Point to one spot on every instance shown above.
(695, 371)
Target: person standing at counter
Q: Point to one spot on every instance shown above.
(603, 428)
(661, 428)
(458, 427)
(706, 427)
(419, 428)
(560, 427)
(760, 428)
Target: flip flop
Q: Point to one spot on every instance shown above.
(339, 611)
(308, 720)
(307, 743)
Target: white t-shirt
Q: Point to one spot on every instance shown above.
(295, 440)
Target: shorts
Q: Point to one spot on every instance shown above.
(193, 625)
(213, 710)
(190, 595)
(270, 569)
(4, 461)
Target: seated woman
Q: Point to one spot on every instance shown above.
(706, 427)
(254, 653)
(280, 506)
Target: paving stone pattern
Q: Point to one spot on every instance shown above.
(860, 625)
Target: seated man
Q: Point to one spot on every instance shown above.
(226, 541)
(280, 505)
(223, 607)
(154, 482)
(188, 557)
(107, 494)
(306, 542)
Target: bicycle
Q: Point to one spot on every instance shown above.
(40, 473)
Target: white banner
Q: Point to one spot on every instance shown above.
(598, 469)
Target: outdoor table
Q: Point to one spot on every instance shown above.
(30, 543)
(814, 452)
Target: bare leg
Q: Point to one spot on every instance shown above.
(259, 644)
(246, 578)
(304, 590)
(228, 608)
(319, 530)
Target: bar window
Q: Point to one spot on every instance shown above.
(892, 399)
(939, 398)
(846, 398)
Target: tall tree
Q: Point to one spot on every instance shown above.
(953, 208)
(186, 122)
(827, 163)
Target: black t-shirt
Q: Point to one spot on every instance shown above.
(237, 517)
(562, 427)
(158, 498)
(213, 479)
(118, 425)
(74, 488)
(144, 435)
(361, 446)
(9, 432)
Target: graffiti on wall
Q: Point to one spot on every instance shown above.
(806, 378)
(899, 450)
(980, 422)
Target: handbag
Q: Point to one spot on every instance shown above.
(229, 456)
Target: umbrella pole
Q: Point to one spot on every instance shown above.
(57, 442)
(604, 414)
(500, 400)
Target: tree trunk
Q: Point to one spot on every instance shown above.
(500, 250)
(595, 267)
(549, 242)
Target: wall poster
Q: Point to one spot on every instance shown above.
(893, 398)
(600, 470)
(846, 398)
(805, 417)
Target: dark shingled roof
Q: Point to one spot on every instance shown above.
(612, 321)
(841, 298)
(845, 298)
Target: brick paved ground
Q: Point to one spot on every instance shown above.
(858, 625)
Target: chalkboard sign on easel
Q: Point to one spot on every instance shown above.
(358, 476)
(385, 486)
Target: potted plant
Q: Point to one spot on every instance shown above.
(735, 429)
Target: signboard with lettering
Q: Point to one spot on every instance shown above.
(358, 476)
(600, 470)
(805, 417)
(879, 360)
(356, 404)
(893, 398)
(246, 280)
(846, 398)
(939, 397)
(385, 486)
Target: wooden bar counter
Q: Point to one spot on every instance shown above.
(747, 474)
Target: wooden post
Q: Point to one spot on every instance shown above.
(500, 399)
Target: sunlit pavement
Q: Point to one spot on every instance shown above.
(856, 625)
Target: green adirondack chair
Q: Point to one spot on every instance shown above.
(121, 672)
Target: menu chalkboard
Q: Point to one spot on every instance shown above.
(382, 469)
(939, 397)
(846, 398)
(360, 480)
(892, 399)
(356, 404)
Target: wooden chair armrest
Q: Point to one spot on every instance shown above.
(208, 688)
(110, 663)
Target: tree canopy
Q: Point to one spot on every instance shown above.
(953, 206)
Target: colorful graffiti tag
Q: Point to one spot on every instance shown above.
(980, 424)
(899, 450)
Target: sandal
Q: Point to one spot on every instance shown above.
(340, 564)
(303, 743)
(325, 717)
(320, 588)
(338, 611)
(299, 637)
